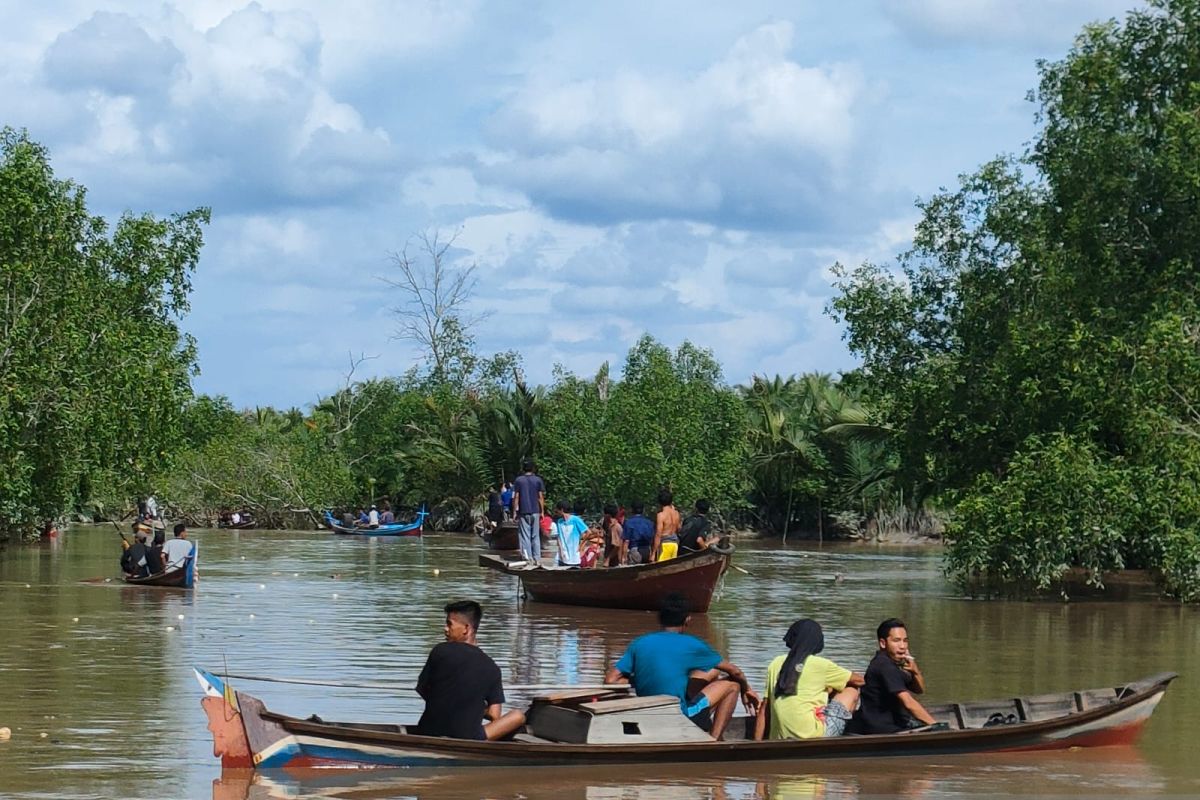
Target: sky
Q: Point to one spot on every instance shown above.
(688, 170)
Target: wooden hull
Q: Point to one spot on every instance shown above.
(177, 579)
(399, 529)
(246, 734)
(641, 587)
(240, 526)
(506, 538)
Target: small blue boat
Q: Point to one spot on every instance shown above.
(413, 528)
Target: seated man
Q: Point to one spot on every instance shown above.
(133, 559)
(176, 551)
(461, 685)
(386, 517)
(799, 685)
(676, 663)
(892, 678)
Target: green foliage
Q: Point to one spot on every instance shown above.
(94, 371)
(1052, 299)
(670, 422)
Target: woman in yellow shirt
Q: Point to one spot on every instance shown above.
(808, 696)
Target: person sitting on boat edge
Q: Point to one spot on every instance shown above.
(462, 685)
(568, 532)
(638, 533)
(666, 528)
(694, 531)
(133, 558)
(887, 704)
(676, 663)
(373, 517)
(176, 551)
(386, 517)
(800, 683)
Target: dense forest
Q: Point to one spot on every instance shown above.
(1030, 367)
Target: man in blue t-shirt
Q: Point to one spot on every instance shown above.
(638, 536)
(568, 530)
(529, 504)
(677, 663)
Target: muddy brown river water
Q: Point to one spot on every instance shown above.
(96, 682)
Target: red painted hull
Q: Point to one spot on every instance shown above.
(640, 587)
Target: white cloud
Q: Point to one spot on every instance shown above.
(753, 140)
(1019, 23)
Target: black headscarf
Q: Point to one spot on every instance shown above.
(803, 639)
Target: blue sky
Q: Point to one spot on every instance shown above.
(690, 170)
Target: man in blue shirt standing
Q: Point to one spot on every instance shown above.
(529, 502)
(568, 530)
(677, 663)
(638, 535)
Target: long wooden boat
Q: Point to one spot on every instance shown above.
(414, 528)
(244, 525)
(183, 578)
(641, 586)
(583, 728)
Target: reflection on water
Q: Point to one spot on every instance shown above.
(1118, 771)
(104, 670)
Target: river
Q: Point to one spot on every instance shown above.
(99, 694)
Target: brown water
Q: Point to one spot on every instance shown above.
(98, 690)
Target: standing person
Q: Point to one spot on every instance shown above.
(495, 506)
(176, 551)
(529, 501)
(638, 536)
(892, 679)
(612, 536)
(666, 528)
(568, 532)
(151, 507)
(677, 663)
(462, 685)
(506, 499)
(799, 688)
(695, 530)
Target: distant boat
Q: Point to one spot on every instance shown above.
(182, 578)
(640, 586)
(397, 529)
(610, 727)
(245, 523)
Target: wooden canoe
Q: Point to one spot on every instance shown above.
(244, 525)
(414, 528)
(247, 735)
(183, 578)
(640, 587)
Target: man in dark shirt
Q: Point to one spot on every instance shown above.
(461, 685)
(892, 678)
(693, 535)
(638, 533)
(529, 503)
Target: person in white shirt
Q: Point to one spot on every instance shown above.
(151, 507)
(373, 517)
(177, 550)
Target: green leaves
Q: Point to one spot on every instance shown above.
(95, 368)
(1047, 311)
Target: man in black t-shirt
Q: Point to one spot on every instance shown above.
(694, 533)
(887, 704)
(461, 685)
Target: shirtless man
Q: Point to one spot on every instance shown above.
(666, 529)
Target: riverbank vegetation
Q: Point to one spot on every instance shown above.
(1031, 364)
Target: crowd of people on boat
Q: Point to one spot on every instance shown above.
(806, 694)
(369, 517)
(617, 538)
(151, 553)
